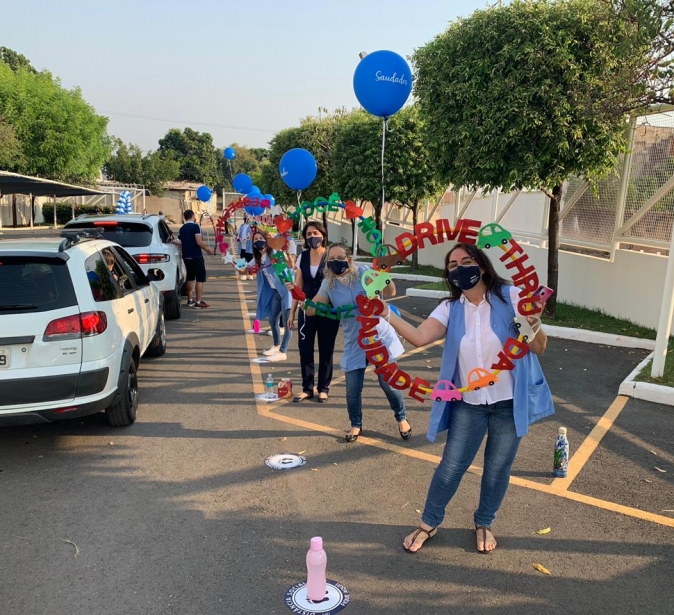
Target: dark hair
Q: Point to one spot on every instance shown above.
(319, 227)
(256, 253)
(493, 281)
(188, 214)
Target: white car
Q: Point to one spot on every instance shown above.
(76, 315)
(150, 241)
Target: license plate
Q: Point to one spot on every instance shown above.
(5, 353)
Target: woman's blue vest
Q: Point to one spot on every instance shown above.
(532, 399)
(265, 292)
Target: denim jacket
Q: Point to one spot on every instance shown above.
(532, 399)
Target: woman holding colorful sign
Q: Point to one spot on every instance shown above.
(273, 298)
(340, 289)
(481, 338)
(309, 271)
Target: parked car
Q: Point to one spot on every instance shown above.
(444, 390)
(374, 282)
(150, 241)
(492, 234)
(77, 315)
(387, 257)
(480, 377)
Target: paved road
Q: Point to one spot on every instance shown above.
(178, 514)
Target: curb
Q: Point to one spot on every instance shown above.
(416, 278)
(646, 391)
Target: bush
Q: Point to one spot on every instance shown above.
(64, 211)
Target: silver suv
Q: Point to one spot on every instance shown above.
(150, 241)
(76, 316)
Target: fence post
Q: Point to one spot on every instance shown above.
(665, 321)
(55, 221)
(624, 185)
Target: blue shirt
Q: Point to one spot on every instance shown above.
(188, 238)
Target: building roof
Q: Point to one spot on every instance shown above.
(13, 183)
(183, 185)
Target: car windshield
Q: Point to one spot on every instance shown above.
(34, 284)
(126, 234)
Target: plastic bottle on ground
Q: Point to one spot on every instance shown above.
(317, 562)
(561, 459)
(270, 386)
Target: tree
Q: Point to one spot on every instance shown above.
(128, 165)
(15, 60)
(195, 153)
(11, 154)
(61, 135)
(526, 95)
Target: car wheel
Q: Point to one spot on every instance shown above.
(124, 411)
(173, 305)
(476, 389)
(504, 241)
(487, 246)
(491, 383)
(157, 346)
(438, 398)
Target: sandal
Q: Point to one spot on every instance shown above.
(352, 437)
(322, 397)
(302, 396)
(484, 539)
(429, 533)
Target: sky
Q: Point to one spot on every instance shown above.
(241, 70)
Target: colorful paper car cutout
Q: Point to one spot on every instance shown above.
(387, 257)
(374, 282)
(525, 329)
(480, 377)
(491, 235)
(444, 390)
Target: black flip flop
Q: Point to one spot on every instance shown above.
(420, 529)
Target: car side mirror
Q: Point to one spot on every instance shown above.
(155, 275)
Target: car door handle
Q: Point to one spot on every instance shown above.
(147, 300)
(129, 310)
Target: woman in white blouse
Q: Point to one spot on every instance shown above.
(475, 321)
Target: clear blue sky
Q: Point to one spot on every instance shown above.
(244, 63)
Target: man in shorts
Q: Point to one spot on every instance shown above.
(189, 237)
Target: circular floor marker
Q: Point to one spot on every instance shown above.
(285, 461)
(336, 599)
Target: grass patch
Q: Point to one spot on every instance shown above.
(668, 375)
(423, 270)
(433, 286)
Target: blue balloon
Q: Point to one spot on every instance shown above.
(253, 191)
(242, 183)
(204, 193)
(298, 168)
(253, 210)
(394, 309)
(230, 154)
(382, 83)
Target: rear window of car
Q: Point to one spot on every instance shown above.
(126, 234)
(34, 284)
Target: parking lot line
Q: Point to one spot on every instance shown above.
(555, 489)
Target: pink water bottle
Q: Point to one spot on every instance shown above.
(256, 326)
(317, 562)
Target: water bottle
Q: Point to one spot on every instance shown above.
(317, 562)
(270, 386)
(256, 326)
(561, 461)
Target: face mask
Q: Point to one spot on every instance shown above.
(465, 277)
(338, 267)
(259, 245)
(314, 242)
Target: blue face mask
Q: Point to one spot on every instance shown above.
(314, 242)
(465, 277)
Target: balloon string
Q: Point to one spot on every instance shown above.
(302, 329)
(299, 196)
(383, 149)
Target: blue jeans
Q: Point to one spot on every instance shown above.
(467, 427)
(278, 314)
(354, 397)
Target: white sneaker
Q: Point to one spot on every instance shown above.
(279, 356)
(270, 334)
(273, 350)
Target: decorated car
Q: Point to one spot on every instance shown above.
(480, 377)
(444, 390)
(387, 257)
(492, 234)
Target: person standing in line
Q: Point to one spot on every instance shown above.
(309, 277)
(192, 244)
(244, 237)
(475, 322)
(340, 287)
(273, 298)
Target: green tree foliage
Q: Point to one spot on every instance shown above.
(15, 60)
(525, 95)
(128, 165)
(61, 135)
(195, 153)
(11, 154)
(248, 160)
